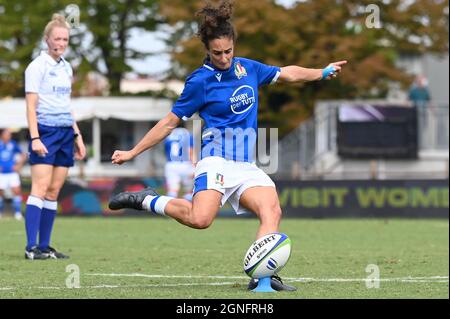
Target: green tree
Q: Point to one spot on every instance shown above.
(21, 28)
(312, 34)
(99, 43)
(108, 25)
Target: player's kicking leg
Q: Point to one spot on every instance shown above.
(199, 214)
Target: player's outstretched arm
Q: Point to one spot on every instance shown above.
(158, 133)
(293, 73)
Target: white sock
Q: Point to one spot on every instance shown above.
(156, 204)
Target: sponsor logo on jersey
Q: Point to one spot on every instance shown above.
(62, 89)
(242, 99)
(219, 76)
(239, 70)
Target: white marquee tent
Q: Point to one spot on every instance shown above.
(13, 111)
(133, 109)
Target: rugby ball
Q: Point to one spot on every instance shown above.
(267, 255)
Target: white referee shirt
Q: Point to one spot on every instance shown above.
(52, 81)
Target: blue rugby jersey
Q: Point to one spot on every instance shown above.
(177, 145)
(227, 101)
(7, 156)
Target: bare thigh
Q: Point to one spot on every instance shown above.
(41, 177)
(260, 198)
(47, 180)
(263, 201)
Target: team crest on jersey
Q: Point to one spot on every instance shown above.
(239, 70)
(219, 179)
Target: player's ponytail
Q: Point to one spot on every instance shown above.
(216, 22)
(58, 20)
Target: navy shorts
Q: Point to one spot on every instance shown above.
(59, 142)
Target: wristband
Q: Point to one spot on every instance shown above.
(327, 71)
(35, 138)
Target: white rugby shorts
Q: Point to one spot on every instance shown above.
(9, 180)
(230, 178)
(177, 174)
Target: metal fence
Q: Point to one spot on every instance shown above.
(316, 137)
(433, 125)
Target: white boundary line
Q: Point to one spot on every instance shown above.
(408, 279)
(292, 279)
(118, 286)
(168, 276)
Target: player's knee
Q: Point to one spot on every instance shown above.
(201, 222)
(271, 213)
(52, 193)
(277, 212)
(39, 190)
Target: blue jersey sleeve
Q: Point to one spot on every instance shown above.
(267, 74)
(191, 99)
(17, 149)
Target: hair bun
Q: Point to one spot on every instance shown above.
(58, 20)
(58, 17)
(216, 22)
(225, 11)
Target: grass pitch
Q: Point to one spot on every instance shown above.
(159, 258)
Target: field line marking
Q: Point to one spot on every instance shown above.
(168, 276)
(293, 279)
(119, 286)
(408, 279)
